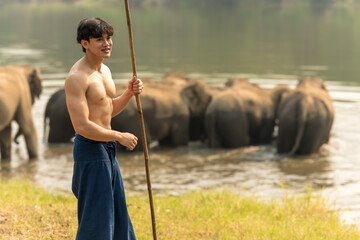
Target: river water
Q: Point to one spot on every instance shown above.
(213, 48)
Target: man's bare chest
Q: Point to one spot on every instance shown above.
(100, 89)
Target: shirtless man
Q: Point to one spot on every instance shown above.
(90, 98)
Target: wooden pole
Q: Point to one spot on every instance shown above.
(143, 134)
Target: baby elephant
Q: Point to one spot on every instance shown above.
(305, 118)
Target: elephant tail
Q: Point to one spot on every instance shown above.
(301, 121)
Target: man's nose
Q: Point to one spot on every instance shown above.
(107, 42)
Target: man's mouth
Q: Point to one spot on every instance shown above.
(106, 50)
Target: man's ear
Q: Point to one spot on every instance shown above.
(85, 43)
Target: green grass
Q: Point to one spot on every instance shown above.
(29, 212)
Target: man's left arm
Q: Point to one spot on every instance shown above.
(135, 86)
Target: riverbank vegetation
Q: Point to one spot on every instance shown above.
(29, 212)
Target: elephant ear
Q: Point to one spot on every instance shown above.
(196, 96)
(34, 79)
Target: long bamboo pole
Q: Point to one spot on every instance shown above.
(143, 134)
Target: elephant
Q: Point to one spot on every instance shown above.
(242, 115)
(305, 118)
(57, 117)
(20, 86)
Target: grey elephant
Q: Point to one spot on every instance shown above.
(305, 118)
(57, 117)
(19, 87)
(243, 115)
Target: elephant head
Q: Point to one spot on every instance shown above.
(197, 96)
(34, 79)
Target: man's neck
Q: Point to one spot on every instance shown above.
(93, 62)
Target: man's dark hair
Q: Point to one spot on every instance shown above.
(93, 28)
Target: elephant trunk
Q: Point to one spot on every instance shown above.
(18, 134)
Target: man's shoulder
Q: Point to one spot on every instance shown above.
(105, 69)
(76, 79)
(76, 76)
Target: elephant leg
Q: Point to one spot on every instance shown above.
(5, 142)
(266, 131)
(31, 142)
(26, 124)
(196, 129)
(329, 122)
(233, 130)
(180, 132)
(211, 134)
(286, 136)
(60, 133)
(315, 135)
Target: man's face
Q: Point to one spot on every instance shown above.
(100, 46)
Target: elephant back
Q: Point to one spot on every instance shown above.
(14, 88)
(10, 92)
(316, 88)
(163, 101)
(178, 79)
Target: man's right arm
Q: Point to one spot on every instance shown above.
(76, 101)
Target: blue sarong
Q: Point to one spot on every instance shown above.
(98, 186)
